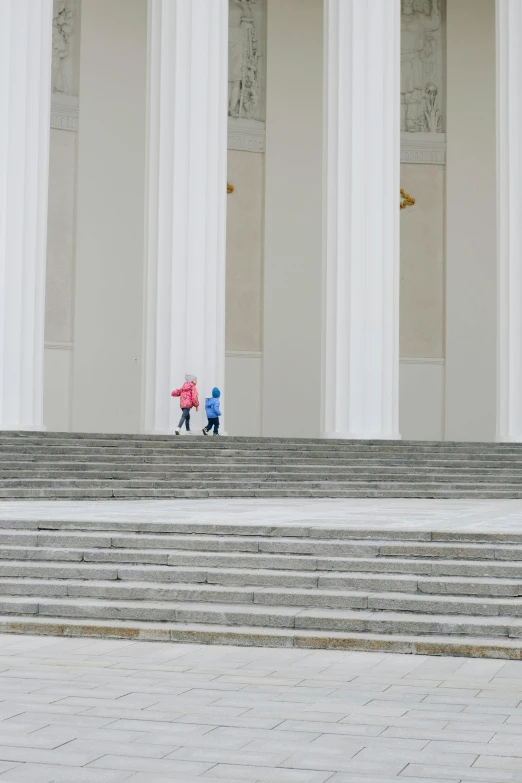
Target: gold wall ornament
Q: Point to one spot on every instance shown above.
(407, 200)
(230, 188)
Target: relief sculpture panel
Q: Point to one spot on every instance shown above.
(422, 66)
(246, 74)
(66, 50)
(246, 24)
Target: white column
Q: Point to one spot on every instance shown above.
(509, 219)
(361, 219)
(187, 155)
(25, 96)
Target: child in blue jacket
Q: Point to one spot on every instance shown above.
(213, 412)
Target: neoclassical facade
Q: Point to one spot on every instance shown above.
(318, 305)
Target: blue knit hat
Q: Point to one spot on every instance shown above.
(216, 392)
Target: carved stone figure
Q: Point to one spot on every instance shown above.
(419, 19)
(431, 111)
(62, 31)
(243, 60)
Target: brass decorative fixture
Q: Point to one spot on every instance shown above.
(230, 188)
(407, 200)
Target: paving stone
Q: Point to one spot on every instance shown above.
(160, 766)
(315, 761)
(416, 770)
(225, 756)
(279, 775)
(342, 778)
(479, 749)
(443, 736)
(499, 762)
(30, 773)
(153, 778)
(6, 765)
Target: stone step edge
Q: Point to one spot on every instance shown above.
(259, 637)
(256, 592)
(114, 494)
(233, 485)
(259, 556)
(22, 437)
(298, 463)
(300, 530)
(116, 539)
(287, 611)
(77, 566)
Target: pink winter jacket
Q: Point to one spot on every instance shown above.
(188, 395)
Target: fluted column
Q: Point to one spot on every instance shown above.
(187, 152)
(509, 219)
(25, 96)
(361, 219)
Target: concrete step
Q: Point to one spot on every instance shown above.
(193, 633)
(358, 582)
(277, 483)
(286, 465)
(177, 543)
(342, 620)
(211, 462)
(201, 448)
(264, 562)
(178, 478)
(265, 596)
(259, 443)
(474, 585)
(455, 493)
(304, 529)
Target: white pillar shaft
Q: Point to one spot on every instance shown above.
(187, 154)
(509, 219)
(25, 97)
(361, 218)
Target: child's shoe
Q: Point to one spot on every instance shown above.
(204, 431)
(176, 432)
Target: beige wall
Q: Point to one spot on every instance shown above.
(422, 263)
(111, 199)
(245, 251)
(471, 222)
(421, 374)
(59, 301)
(61, 238)
(293, 219)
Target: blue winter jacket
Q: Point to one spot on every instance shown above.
(212, 408)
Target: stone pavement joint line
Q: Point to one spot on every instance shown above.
(117, 710)
(308, 574)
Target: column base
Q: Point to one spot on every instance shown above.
(359, 436)
(509, 439)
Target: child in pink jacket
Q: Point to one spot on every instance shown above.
(188, 398)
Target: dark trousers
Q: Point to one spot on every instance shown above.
(185, 419)
(213, 423)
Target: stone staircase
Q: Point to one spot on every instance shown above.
(64, 465)
(305, 585)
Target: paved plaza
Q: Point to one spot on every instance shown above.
(87, 710)
(81, 709)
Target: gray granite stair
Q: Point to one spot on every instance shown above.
(234, 582)
(309, 585)
(91, 466)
